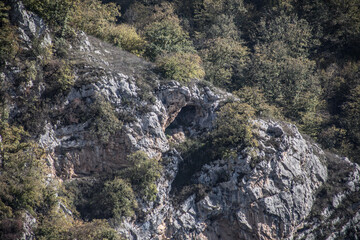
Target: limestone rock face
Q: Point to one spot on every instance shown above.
(272, 196)
(30, 25)
(287, 189)
(78, 150)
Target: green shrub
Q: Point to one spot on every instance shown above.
(254, 97)
(94, 230)
(141, 16)
(142, 174)
(56, 13)
(332, 137)
(58, 226)
(90, 16)
(233, 129)
(207, 11)
(281, 67)
(351, 121)
(58, 76)
(118, 199)
(93, 17)
(126, 37)
(181, 67)
(105, 123)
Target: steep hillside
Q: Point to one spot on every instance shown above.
(127, 153)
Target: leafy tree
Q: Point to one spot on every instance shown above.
(58, 226)
(280, 66)
(55, 12)
(351, 120)
(93, 17)
(224, 61)
(265, 5)
(167, 36)
(338, 23)
(139, 15)
(337, 80)
(223, 26)
(181, 67)
(332, 137)
(218, 19)
(295, 34)
(206, 11)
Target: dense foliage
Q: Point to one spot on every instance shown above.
(22, 172)
(181, 67)
(142, 174)
(8, 43)
(233, 130)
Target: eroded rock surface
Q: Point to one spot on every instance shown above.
(288, 189)
(271, 196)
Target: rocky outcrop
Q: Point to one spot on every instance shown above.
(287, 188)
(30, 26)
(80, 153)
(270, 196)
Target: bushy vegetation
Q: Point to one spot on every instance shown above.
(126, 37)
(90, 16)
(181, 67)
(167, 36)
(233, 129)
(142, 174)
(58, 76)
(105, 121)
(225, 61)
(57, 226)
(254, 97)
(22, 170)
(8, 38)
(118, 198)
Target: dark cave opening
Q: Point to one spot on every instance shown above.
(184, 120)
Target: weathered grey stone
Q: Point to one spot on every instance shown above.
(30, 25)
(29, 223)
(275, 195)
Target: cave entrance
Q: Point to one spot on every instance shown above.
(184, 122)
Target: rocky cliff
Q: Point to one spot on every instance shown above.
(289, 189)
